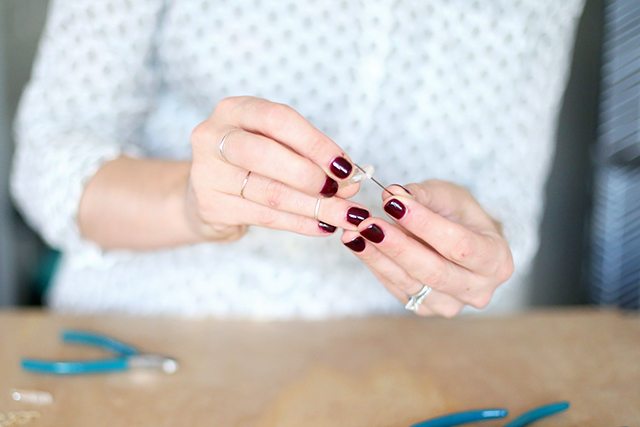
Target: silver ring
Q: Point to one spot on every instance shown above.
(223, 140)
(416, 299)
(317, 209)
(244, 184)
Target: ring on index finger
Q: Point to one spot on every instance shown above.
(223, 140)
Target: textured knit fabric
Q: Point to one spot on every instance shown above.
(466, 91)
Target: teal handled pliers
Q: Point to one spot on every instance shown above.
(127, 357)
(459, 418)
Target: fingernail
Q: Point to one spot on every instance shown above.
(395, 208)
(356, 215)
(341, 167)
(373, 233)
(327, 228)
(404, 188)
(356, 245)
(330, 187)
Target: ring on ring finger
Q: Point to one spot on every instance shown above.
(416, 299)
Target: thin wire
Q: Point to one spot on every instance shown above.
(373, 179)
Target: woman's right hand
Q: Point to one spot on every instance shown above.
(292, 164)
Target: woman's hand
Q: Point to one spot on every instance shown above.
(443, 239)
(292, 164)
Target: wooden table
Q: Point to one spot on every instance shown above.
(366, 372)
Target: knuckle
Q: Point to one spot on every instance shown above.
(506, 268)
(502, 266)
(481, 300)
(275, 115)
(463, 249)
(202, 132)
(435, 276)
(227, 104)
(274, 194)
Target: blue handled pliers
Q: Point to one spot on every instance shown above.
(459, 418)
(126, 357)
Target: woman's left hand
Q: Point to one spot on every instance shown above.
(442, 238)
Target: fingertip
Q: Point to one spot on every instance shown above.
(367, 222)
(347, 190)
(396, 190)
(357, 244)
(348, 235)
(372, 230)
(326, 229)
(396, 207)
(341, 167)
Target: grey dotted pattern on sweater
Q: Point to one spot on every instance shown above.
(462, 91)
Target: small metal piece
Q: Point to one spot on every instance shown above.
(370, 176)
(361, 173)
(415, 300)
(33, 397)
(244, 184)
(153, 361)
(316, 211)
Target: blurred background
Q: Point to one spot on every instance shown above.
(590, 251)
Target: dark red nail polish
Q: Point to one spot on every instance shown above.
(373, 233)
(395, 208)
(341, 167)
(356, 245)
(330, 187)
(404, 188)
(327, 228)
(356, 215)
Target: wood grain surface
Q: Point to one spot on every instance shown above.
(352, 372)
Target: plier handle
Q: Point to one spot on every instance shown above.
(126, 357)
(529, 417)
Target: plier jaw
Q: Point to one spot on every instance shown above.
(127, 357)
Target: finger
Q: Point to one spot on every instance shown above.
(397, 281)
(279, 196)
(452, 201)
(465, 247)
(388, 273)
(234, 210)
(227, 146)
(423, 263)
(283, 124)
(263, 155)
